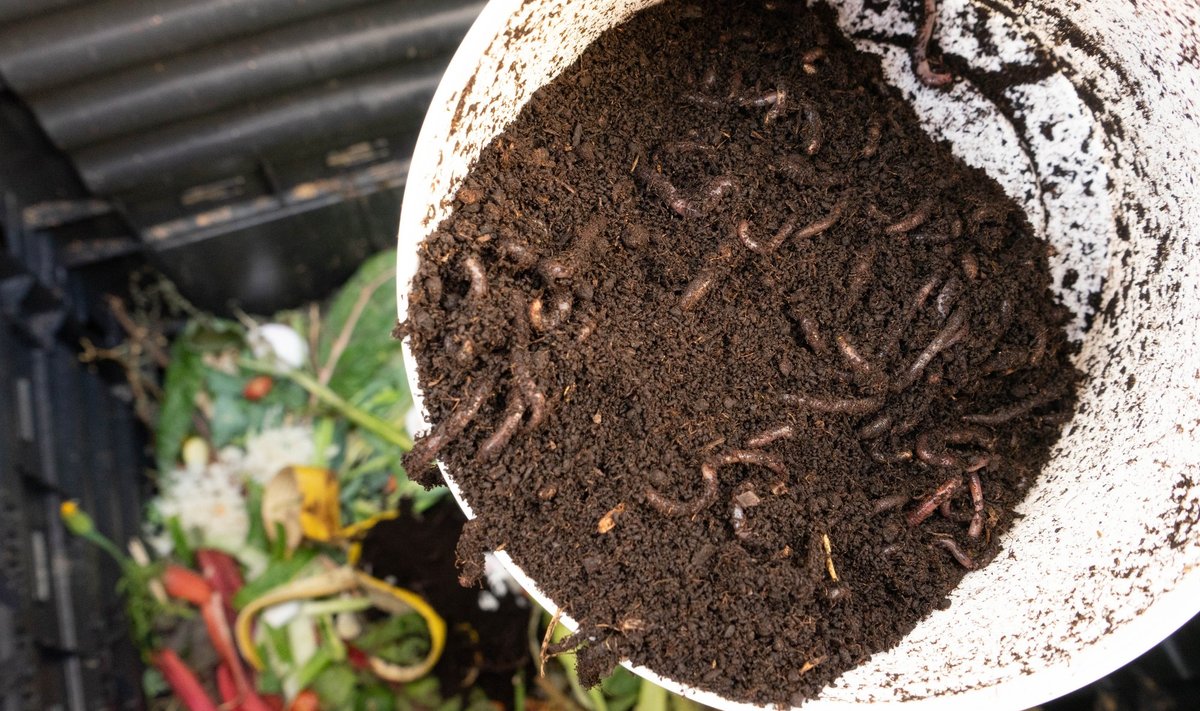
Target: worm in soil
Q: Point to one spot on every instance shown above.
(860, 278)
(702, 101)
(559, 312)
(954, 328)
(909, 314)
(509, 424)
(959, 554)
(912, 220)
(739, 502)
(875, 428)
(718, 187)
(664, 189)
(920, 51)
(976, 487)
(425, 449)
(812, 334)
(897, 457)
(708, 475)
(854, 359)
(780, 236)
(1003, 321)
(841, 405)
(520, 255)
(970, 266)
(770, 435)
(532, 395)
(812, 129)
(949, 295)
(927, 507)
(931, 448)
(477, 276)
(816, 227)
(874, 134)
(704, 282)
(1012, 412)
(889, 503)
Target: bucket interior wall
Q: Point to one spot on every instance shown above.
(1085, 113)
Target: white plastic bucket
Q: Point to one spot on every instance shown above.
(1101, 153)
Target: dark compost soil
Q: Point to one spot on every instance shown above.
(713, 306)
(484, 647)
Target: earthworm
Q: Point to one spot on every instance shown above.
(843, 405)
(812, 334)
(970, 266)
(709, 78)
(897, 457)
(815, 54)
(875, 428)
(698, 288)
(739, 502)
(959, 554)
(1012, 412)
(780, 236)
(542, 321)
(860, 276)
(701, 100)
(531, 394)
(663, 189)
(769, 435)
(511, 421)
(816, 227)
(703, 283)
(987, 213)
(889, 503)
(718, 187)
(976, 486)
(909, 314)
(1004, 320)
(478, 277)
(931, 448)
(949, 294)
(812, 128)
(927, 507)
(912, 220)
(708, 474)
(425, 449)
(950, 333)
(520, 255)
(854, 359)
(949, 514)
(770, 98)
(874, 134)
(920, 51)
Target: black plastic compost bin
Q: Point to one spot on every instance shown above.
(254, 151)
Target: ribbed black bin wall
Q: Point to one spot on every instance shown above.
(230, 137)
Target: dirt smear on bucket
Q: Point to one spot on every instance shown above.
(730, 357)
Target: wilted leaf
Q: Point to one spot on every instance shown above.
(371, 354)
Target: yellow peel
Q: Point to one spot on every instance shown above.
(389, 598)
(386, 597)
(324, 584)
(321, 514)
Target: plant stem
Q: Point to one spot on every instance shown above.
(362, 418)
(651, 697)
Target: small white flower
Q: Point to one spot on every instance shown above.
(271, 450)
(278, 344)
(209, 504)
